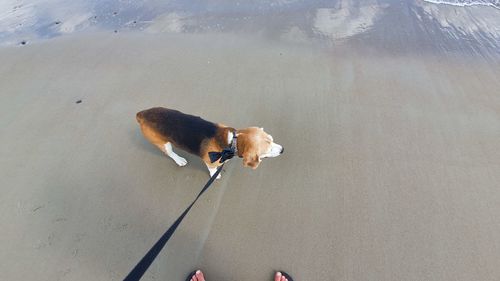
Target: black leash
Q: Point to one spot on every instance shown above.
(143, 265)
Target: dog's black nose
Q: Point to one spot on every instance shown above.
(282, 149)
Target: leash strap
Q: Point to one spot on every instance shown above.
(143, 265)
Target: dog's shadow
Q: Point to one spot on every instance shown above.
(194, 162)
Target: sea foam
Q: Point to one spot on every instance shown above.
(467, 3)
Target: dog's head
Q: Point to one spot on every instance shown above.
(254, 145)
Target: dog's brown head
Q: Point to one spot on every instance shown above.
(254, 144)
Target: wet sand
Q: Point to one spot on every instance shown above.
(390, 172)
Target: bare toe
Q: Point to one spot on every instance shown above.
(200, 276)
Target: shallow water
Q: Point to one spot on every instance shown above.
(464, 26)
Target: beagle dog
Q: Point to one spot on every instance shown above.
(214, 143)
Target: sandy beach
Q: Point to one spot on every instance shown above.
(391, 168)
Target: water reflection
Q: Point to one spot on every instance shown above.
(465, 22)
(346, 19)
(479, 23)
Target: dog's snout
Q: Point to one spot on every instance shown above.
(282, 149)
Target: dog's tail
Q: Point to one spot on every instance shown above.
(140, 117)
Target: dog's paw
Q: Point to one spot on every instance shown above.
(218, 176)
(181, 161)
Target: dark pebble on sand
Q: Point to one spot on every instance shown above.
(116, 31)
(79, 101)
(57, 22)
(23, 43)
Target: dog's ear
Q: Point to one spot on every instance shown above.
(251, 160)
(248, 149)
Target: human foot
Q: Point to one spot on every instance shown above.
(282, 276)
(197, 276)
